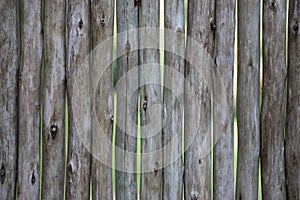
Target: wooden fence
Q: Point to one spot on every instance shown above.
(42, 46)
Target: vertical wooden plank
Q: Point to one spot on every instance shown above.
(127, 100)
(78, 163)
(224, 60)
(197, 165)
(292, 149)
(150, 94)
(102, 22)
(248, 99)
(173, 104)
(29, 100)
(273, 100)
(9, 46)
(54, 100)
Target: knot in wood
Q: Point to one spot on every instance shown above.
(213, 25)
(102, 21)
(145, 104)
(70, 168)
(80, 24)
(295, 27)
(273, 4)
(53, 131)
(32, 179)
(127, 47)
(155, 170)
(194, 195)
(2, 174)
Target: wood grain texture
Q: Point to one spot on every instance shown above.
(292, 134)
(273, 100)
(9, 64)
(127, 100)
(78, 162)
(197, 173)
(150, 94)
(102, 23)
(173, 104)
(29, 100)
(248, 99)
(223, 150)
(54, 92)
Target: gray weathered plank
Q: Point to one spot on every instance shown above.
(292, 135)
(150, 94)
(198, 112)
(102, 22)
(273, 100)
(127, 100)
(224, 60)
(248, 99)
(173, 104)
(9, 62)
(78, 162)
(29, 100)
(53, 169)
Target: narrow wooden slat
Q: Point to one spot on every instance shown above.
(248, 99)
(150, 94)
(224, 60)
(102, 22)
(292, 149)
(78, 163)
(198, 112)
(9, 62)
(273, 100)
(173, 104)
(29, 100)
(127, 100)
(54, 100)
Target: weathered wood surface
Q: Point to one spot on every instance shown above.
(224, 59)
(150, 94)
(78, 162)
(292, 135)
(248, 99)
(200, 29)
(54, 92)
(173, 104)
(273, 100)
(127, 100)
(102, 23)
(29, 100)
(9, 63)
